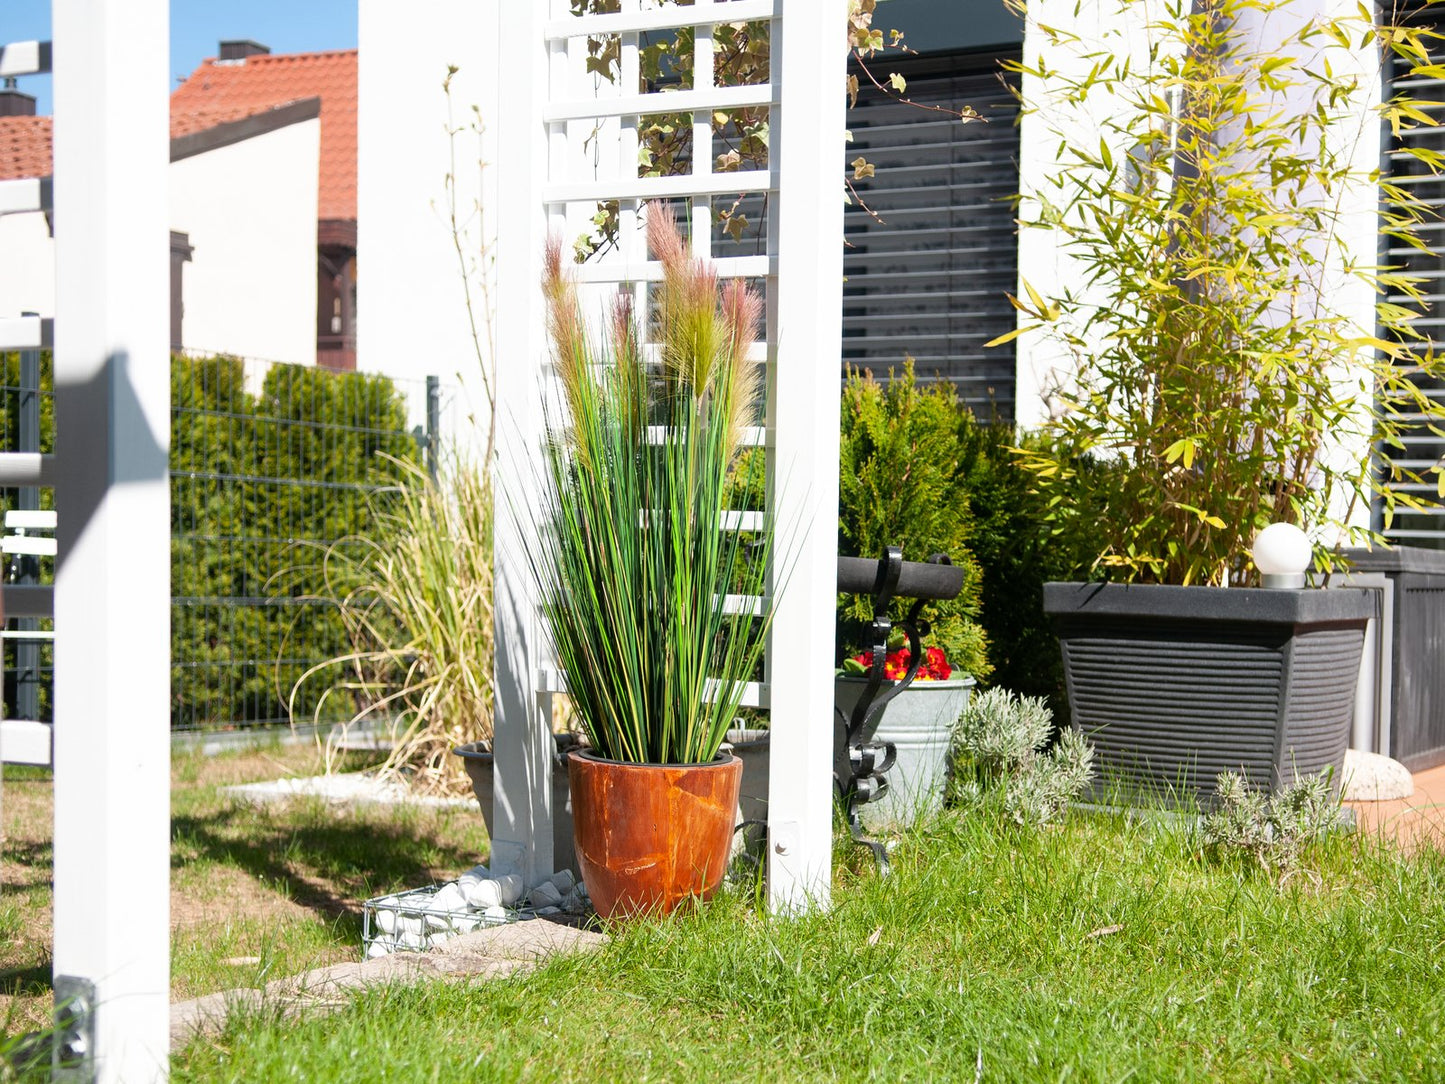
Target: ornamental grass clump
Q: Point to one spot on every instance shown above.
(414, 594)
(634, 565)
(1226, 337)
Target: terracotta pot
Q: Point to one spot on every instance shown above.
(650, 836)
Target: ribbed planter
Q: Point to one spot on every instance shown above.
(1174, 685)
(919, 723)
(477, 757)
(651, 836)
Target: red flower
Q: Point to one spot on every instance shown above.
(895, 665)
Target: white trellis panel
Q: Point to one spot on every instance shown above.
(112, 584)
(565, 141)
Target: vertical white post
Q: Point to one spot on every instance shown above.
(112, 589)
(522, 806)
(809, 69)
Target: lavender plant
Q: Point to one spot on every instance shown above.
(999, 744)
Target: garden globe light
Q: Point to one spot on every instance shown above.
(1282, 552)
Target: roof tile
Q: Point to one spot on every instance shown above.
(24, 147)
(222, 91)
(227, 90)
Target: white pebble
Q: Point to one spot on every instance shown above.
(377, 948)
(476, 873)
(386, 919)
(450, 897)
(482, 894)
(573, 903)
(582, 890)
(409, 924)
(497, 912)
(465, 924)
(511, 888)
(544, 895)
(441, 937)
(564, 882)
(549, 910)
(411, 940)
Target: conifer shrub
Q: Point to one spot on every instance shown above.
(899, 485)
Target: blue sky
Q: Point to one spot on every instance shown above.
(287, 26)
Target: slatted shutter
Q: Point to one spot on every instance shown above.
(929, 280)
(1422, 448)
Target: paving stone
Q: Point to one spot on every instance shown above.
(489, 953)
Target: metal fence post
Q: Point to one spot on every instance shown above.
(27, 651)
(433, 423)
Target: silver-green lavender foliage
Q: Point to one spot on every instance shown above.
(999, 744)
(1272, 831)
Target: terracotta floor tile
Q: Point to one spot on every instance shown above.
(1413, 821)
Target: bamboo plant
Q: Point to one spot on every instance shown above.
(635, 561)
(1214, 381)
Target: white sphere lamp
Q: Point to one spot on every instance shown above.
(1282, 552)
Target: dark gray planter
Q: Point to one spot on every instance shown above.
(1412, 723)
(477, 756)
(1174, 685)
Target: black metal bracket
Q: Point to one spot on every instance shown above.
(860, 764)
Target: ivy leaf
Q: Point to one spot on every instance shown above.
(862, 168)
(897, 82)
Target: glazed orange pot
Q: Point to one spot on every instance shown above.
(650, 836)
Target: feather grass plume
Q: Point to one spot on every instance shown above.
(633, 563)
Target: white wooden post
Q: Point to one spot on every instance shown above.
(809, 68)
(112, 597)
(522, 744)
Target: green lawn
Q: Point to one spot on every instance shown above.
(987, 956)
(257, 893)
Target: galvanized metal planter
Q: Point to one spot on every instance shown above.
(918, 723)
(1174, 685)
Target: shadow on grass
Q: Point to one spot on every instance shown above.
(327, 863)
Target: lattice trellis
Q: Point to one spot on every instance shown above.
(567, 142)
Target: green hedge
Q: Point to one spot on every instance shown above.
(260, 485)
(261, 482)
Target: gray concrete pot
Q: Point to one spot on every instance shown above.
(1174, 685)
(919, 723)
(752, 748)
(477, 756)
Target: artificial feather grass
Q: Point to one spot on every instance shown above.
(633, 561)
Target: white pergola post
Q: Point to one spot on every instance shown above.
(112, 584)
(809, 69)
(522, 743)
(549, 109)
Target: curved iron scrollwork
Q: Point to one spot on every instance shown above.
(860, 764)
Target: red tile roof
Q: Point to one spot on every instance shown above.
(24, 147)
(221, 91)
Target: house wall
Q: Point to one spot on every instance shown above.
(411, 300)
(27, 265)
(249, 211)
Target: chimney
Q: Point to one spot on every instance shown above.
(242, 48)
(15, 102)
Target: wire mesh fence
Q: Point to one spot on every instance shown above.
(273, 466)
